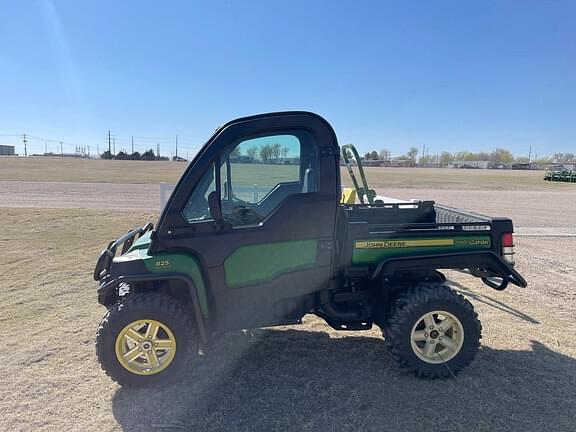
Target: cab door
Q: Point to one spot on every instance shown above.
(276, 178)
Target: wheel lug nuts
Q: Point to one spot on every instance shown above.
(431, 327)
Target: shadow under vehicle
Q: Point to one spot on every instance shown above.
(300, 380)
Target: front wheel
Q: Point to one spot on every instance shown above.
(433, 331)
(146, 339)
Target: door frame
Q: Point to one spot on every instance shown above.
(285, 223)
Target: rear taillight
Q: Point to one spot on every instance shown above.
(507, 242)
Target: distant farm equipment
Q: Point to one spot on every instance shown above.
(567, 176)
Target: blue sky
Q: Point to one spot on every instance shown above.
(450, 75)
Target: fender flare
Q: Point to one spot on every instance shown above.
(487, 260)
(199, 318)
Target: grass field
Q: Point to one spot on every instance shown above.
(105, 171)
(304, 377)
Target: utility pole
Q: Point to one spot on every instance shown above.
(530, 154)
(176, 146)
(157, 151)
(132, 144)
(25, 141)
(88, 152)
(61, 149)
(45, 146)
(109, 148)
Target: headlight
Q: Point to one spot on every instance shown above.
(130, 256)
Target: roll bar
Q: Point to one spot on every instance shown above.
(360, 191)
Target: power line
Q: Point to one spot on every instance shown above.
(51, 140)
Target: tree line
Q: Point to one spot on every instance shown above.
(497, 157)
(148, 155)
(266, 153)
(274, 153)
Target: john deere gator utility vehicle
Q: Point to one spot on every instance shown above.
(259, 232)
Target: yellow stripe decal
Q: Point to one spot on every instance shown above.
(399, 244)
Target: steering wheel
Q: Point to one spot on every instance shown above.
(243, 215)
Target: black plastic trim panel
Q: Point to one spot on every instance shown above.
(105, 289)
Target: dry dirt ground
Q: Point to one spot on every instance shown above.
(299, 378)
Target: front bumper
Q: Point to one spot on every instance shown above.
(104, 261)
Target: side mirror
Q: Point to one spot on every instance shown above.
(214, 207)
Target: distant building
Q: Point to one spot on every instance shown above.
(561, 167)
(391, 163)
(7, 150)
(62, 155)
(525, 166)
(472, 164)
(374, 163)
(402, 163)
(242, 159)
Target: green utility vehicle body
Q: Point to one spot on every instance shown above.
(257, 233)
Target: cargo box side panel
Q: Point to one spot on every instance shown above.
(373, 251)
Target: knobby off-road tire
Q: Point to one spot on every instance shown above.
(162, 355)
(416, 322)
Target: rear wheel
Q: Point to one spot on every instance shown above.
(433, 331)
(145, 339)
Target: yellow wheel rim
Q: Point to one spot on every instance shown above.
(437, 337)
(145, 347)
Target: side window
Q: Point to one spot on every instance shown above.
(196, 208)
(258, 173)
